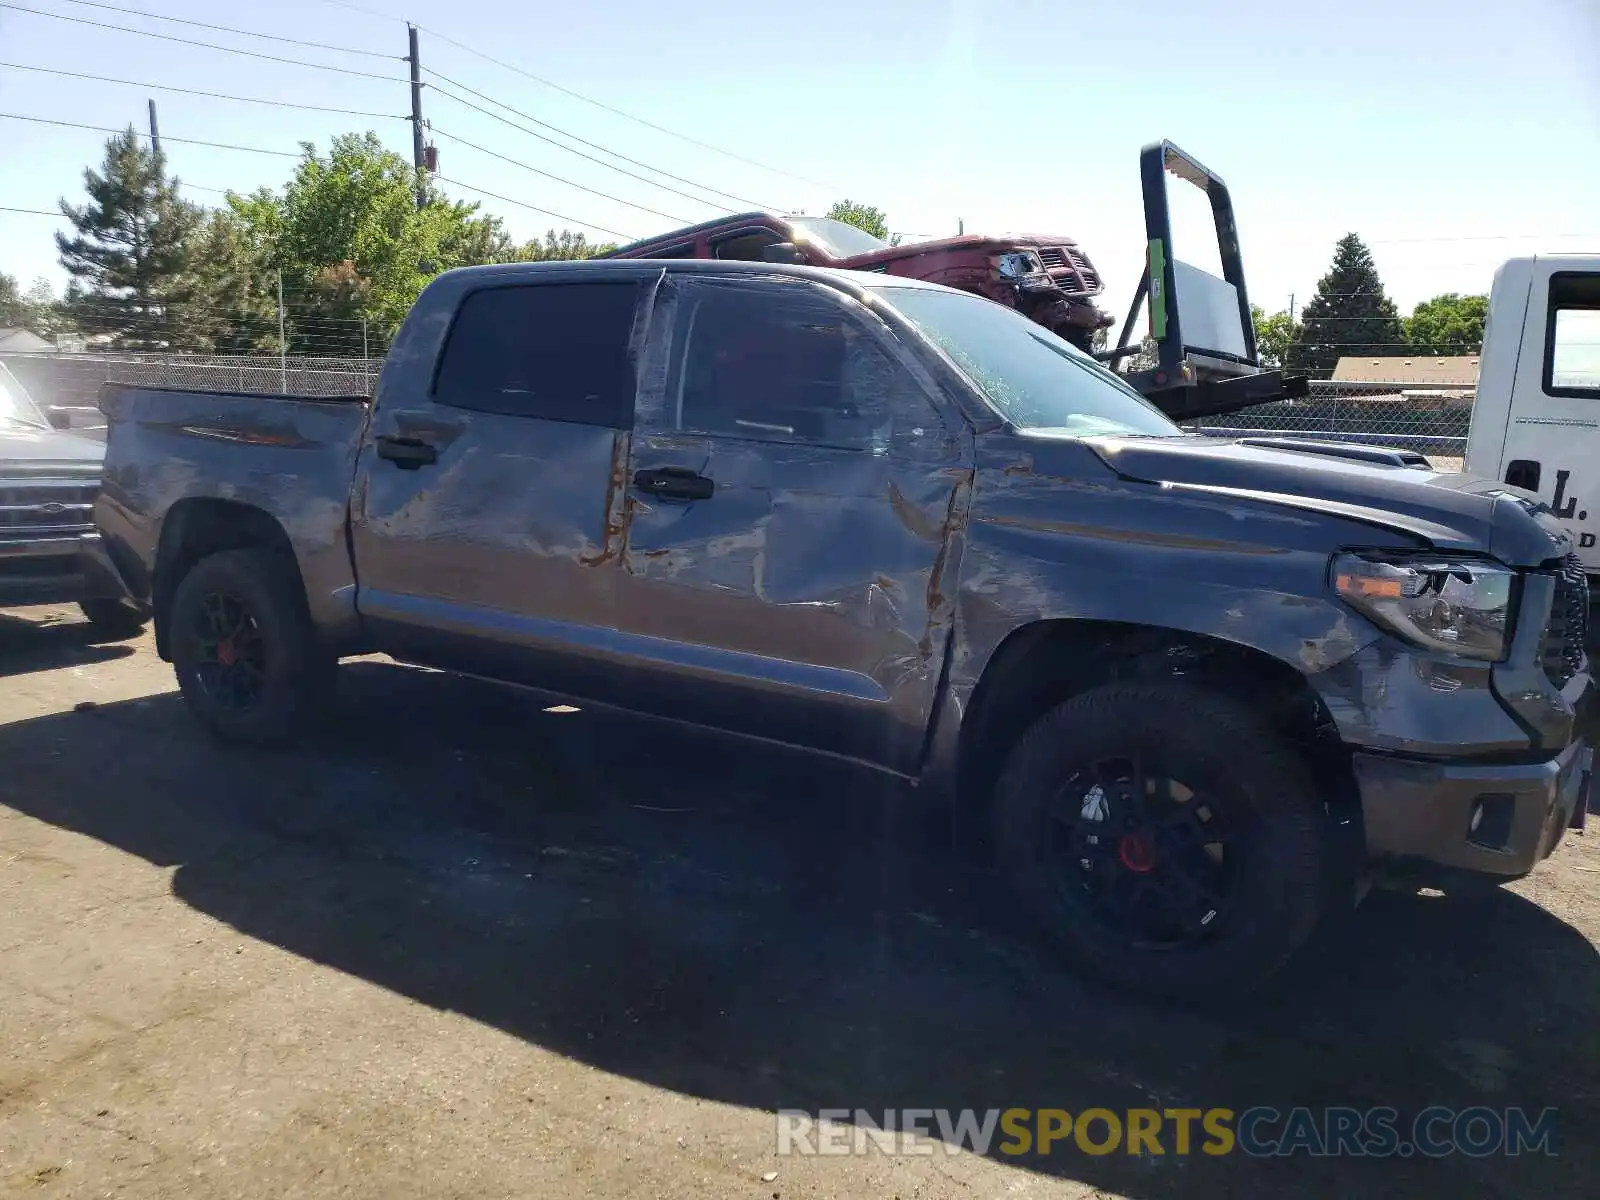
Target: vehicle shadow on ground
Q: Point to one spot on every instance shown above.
(769, 931)
(44, 643)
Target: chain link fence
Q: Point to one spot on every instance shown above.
(1427, 418)
(70, 383)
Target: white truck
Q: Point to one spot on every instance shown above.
(1536, 417)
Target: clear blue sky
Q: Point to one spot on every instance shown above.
(1450, 135)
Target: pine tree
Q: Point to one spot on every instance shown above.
(1349, 315)
(131, 261)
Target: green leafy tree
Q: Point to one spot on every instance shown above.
(353, 248)
(236, 303)
(1349, 315)
(863, 216)
(1274, 335)
(561, 246)
(1448, 324)
(30, 310)
(130, 260)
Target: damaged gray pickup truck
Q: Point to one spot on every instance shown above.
(1195, 688)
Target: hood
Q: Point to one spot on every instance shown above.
(37, 447)
(997, 243)
(1385, 488)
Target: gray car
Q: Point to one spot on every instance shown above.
(1192, 690)
(50, 551)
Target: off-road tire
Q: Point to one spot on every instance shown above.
(112, 620)
(1204, 739)
(296, 669)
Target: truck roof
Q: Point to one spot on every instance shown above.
(834, 276)
(690, 232)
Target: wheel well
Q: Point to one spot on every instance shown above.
(1040, 665)
(196, 529)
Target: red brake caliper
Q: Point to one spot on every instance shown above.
(1136, 853)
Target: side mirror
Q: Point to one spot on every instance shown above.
(782, 252)
(59, 418)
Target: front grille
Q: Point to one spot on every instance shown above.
(1091, 278)
(46, 506)
(1070, 269)
(1562, 649)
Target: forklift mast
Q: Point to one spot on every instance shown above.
(1206, 357)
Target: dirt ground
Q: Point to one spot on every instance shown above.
(462, 946)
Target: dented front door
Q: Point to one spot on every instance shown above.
(793, 515)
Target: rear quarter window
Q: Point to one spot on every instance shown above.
(553, 351)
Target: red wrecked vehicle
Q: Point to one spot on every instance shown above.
(1048, 279)
(1198, 355)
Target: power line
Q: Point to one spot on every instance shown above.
(627, 115)
(531, 208)
(167, 87)
(586, 142)
(32, 212)
(168, 37)
(146, 136)
(592, 191)
(271, 37)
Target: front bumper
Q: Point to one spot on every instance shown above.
(57, 570)
(1499, 819)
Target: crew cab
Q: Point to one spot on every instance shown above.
(1194, 687)
(1046, 278)
(50, 551)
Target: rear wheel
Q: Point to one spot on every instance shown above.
(112, 620)
(248, 659)
(1165, 839)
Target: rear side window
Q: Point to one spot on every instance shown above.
(1572, 357)
(558, 351)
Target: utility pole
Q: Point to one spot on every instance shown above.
(155, 131)
(283, 342)
(418, 154)
(1291, 308)
(961, 227)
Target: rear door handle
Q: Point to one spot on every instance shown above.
(674, 483)
(406, 453)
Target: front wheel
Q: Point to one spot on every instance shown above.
(247, 657)
(1165, 839)
(112, 620)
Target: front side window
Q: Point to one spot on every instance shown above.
(556, 351)
(786, 362)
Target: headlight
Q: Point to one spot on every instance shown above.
(1458, 606)
(1018, 263)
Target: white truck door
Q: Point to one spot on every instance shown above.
(1552, 434)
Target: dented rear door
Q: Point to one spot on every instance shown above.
(795, 496)
(485, 521)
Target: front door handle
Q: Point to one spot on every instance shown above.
(674, 483)
(406, 453)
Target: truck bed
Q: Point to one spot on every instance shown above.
(292, 457)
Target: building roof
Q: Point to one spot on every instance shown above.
(1451, 370)
(22, 341)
